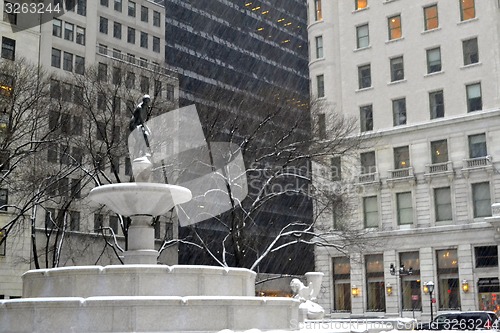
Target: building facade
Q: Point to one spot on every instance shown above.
(124, 43)
(422, 80)
(240, 60)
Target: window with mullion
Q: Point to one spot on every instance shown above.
(474, 99)
(431, 17)
(370, 212)
(439, 151)
(366, 118)
(364, 76)
(442, 204)
(404, 208)
(467, 9)
(397, 69)
(362, 36)
(471, 52)
(436, 104)
(434, 60)
(395, 29)
(399, 111)
(481, 199)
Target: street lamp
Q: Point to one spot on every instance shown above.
(402, 271)
(430, 288)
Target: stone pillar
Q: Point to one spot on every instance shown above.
(141, 242)
(427, 274)
(391, 301)
(357, 303)
(467, 299)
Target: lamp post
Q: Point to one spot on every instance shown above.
(402, 271)
(430, 288)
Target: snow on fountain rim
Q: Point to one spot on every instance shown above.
(129, 199)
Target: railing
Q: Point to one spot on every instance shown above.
(368, 177)
(478, 162)
(104, 51)
(440, 167)
(401, 173)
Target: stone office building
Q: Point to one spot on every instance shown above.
(422, 80)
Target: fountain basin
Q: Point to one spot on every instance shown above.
(138, 280)
(147, 314)
(129, 199)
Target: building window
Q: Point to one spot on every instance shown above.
(55, 92)
(79, 65)
(101, 105)
(156, 18)
(3, 248)
(375, 298)
(436, 104)
(431, 17)
(8, 48)
(364, 76)
(117, 30)
(362, 36)
(144, 40)
(394, 23)
(56, 28)
(405, 208)
(113, 223)
(319, 47)
(131, 8)
(320, 84)
(105, 3)
(131, 35)
(102, 72)
(81, 7)
(322, 126)
(80, 35)
(118, 5)
(103, 25)
(318, 13)
(128, 167)
(170, 92)
(144, 14)
(399, 111)
(410, 284)
(471, 53)
(448, 286)
(434, 60)
(69, 31)
(397, 69)
(130, 80)
(116, 75)
(366, 118)
(4, 199)
(368, 162)
(336, 168)
(74, 224)
(156, 44)
(486, 256)
(442, 204)
(9, 17)
(477, 146)
(402, 157)
(144, 84)
(360, 4)
(474, 100)
(370, 212)
(481, 199)
(439, 151)
(467, 9)
(341, 276)
(98, 222)
(68, 61)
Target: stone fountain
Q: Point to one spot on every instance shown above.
(142, 296)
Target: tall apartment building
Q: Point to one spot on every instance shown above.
(422, 80)
(110, 36)
(229, 51)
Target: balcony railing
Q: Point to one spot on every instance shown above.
(439, 168)
(401, 173)
(142, 63)
(478, 162)
(368, 178)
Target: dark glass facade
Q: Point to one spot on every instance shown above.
(238, 61)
